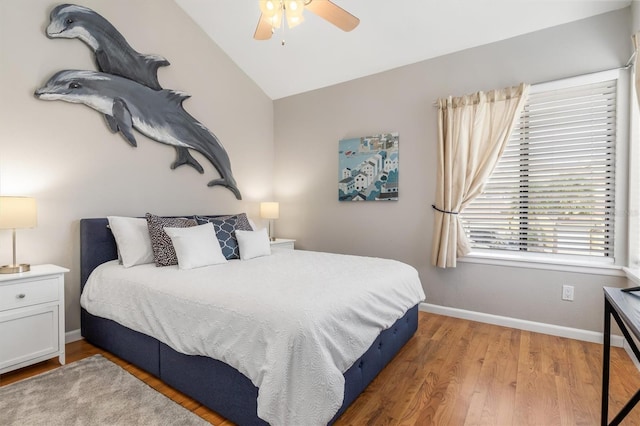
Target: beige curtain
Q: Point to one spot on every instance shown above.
(473, 131)
(636, 43)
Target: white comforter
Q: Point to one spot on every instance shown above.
(292, 322)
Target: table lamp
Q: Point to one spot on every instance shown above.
(17, 213)
(270, 210)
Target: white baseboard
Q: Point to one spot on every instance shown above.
(629, 351)
(72, 336)
(538, 327)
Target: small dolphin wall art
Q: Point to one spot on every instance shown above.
(113, 54)
(127, 92)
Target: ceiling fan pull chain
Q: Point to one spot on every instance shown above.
(283, 22)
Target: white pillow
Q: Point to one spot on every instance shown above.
(132, 239)
(196, 246)
(253, 243)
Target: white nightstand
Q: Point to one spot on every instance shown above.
(31, 317)
(282, 244)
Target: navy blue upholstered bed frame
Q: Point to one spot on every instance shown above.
(213, 383)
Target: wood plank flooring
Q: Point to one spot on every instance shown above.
(458, 372)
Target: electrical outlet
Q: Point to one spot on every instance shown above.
(567, 292)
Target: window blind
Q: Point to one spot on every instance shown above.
(553, 189)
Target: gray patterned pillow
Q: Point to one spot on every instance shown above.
(225, 227)
(163, 252)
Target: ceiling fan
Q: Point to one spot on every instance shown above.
(275, 11)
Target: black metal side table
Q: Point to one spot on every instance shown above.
(624, 306)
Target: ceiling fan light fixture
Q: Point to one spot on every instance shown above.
(270, 7)
(294, 21)
(276, 20)
(295, 7)
(273, 12)
(294, 10)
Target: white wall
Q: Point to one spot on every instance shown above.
(635, 16)
(63, 154)
(308, 127)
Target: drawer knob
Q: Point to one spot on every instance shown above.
(21, 296)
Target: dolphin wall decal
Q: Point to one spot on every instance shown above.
(113, 55)
(157, 114)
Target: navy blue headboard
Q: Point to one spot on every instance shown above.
(97, 246)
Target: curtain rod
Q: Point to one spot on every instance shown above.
(624, 67)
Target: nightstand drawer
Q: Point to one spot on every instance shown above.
(38, 331)
(28, 293)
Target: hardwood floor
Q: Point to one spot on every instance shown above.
(458, 372)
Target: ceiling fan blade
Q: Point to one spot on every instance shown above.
(333, 13)
(263, 30)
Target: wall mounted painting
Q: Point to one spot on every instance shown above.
(368, 168)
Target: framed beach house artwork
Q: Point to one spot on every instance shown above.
(368, 168)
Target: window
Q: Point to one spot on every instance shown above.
(553, 192)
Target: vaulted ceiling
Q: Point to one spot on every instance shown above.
(392, 33)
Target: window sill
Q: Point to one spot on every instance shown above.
(542, 262)
(633, 274)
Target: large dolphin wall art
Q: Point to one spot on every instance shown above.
(128, 93)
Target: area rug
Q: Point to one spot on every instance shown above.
(93, 391)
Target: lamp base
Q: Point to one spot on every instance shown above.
(15, 269)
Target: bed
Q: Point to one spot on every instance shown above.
(220, 385)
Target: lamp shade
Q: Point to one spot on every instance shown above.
(18, 212)
(270, 210)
